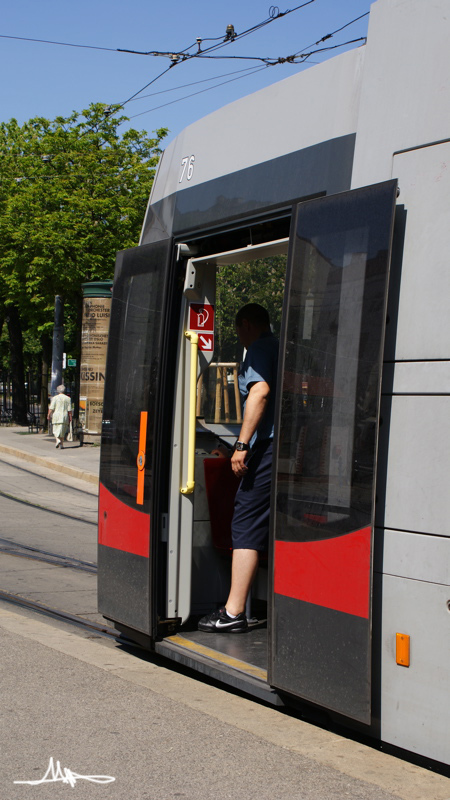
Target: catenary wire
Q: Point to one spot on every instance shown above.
(304, 58)
(146, 86)
(138, 52)
(338, 30)
(287, 59)
(196, 83)
(184, 56)
(201, 91)
(300, 54)
(61, 44)
(274, 14)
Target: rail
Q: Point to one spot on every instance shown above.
(190, 483)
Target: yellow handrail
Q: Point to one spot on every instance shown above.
(190, 484)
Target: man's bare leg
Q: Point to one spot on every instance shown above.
(243, 571)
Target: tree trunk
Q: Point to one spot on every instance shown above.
(19, 400)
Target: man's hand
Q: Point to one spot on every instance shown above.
(237, 462)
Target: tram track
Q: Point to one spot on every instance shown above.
(17, 550)
(45, 478)
(48, 523)
(45, 508)
(64, 616)
(57, 490)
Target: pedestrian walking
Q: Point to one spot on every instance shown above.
(60, 415)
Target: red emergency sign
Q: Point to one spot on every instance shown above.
(201, 318)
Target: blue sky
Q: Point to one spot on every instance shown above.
(50, 80)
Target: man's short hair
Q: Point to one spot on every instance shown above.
(254, 313)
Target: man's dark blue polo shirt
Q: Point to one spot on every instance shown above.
(261, 364)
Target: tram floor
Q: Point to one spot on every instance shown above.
(246, 652)
(249, 647)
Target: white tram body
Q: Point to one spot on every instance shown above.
(376, 114)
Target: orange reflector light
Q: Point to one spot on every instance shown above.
(402, 649)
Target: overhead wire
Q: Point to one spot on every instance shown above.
(276, 14)
(201, 91)
(219, 43)
(338, 30)
(249, 71)
(146, 86)
(196, 83)
(182, 55)
(219, 39)
(286, 59)
(61, 44)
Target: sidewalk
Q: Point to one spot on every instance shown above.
(101, 710)
(39, 448)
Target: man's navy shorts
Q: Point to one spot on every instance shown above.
(250, 525)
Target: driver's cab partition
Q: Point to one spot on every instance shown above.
(199, 524)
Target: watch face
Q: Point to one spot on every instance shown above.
(241, 446)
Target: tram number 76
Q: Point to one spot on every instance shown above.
(187, 168)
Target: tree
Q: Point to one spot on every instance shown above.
(73, 191)
(259, 281)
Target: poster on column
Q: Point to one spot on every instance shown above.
(94, 340)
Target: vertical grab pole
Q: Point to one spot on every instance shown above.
(190, 483)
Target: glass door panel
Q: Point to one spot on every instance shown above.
(333, 342)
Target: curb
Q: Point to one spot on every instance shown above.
(50, 463)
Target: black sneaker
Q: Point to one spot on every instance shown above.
(219, 621)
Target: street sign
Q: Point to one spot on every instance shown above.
(71, 362)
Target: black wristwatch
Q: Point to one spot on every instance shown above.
(241, 446)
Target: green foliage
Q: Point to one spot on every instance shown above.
(73, 191)
(260, 281)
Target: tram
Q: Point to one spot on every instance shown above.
(335, 184)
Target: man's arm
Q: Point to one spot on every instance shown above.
(255, 406)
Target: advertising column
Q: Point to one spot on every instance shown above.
(94, 341)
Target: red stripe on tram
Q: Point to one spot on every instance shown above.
(333, 573)
(122, 527)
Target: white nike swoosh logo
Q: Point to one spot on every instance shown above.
(220, 624)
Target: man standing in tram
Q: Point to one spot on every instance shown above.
(252, 462)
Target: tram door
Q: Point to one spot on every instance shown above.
(133, 436)
(323, 505)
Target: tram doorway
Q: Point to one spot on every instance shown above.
(199, 524)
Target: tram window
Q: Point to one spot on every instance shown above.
(133, 359)
(332, 363)
(259, 281)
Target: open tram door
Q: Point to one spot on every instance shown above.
(134, 431)
(328, 412)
